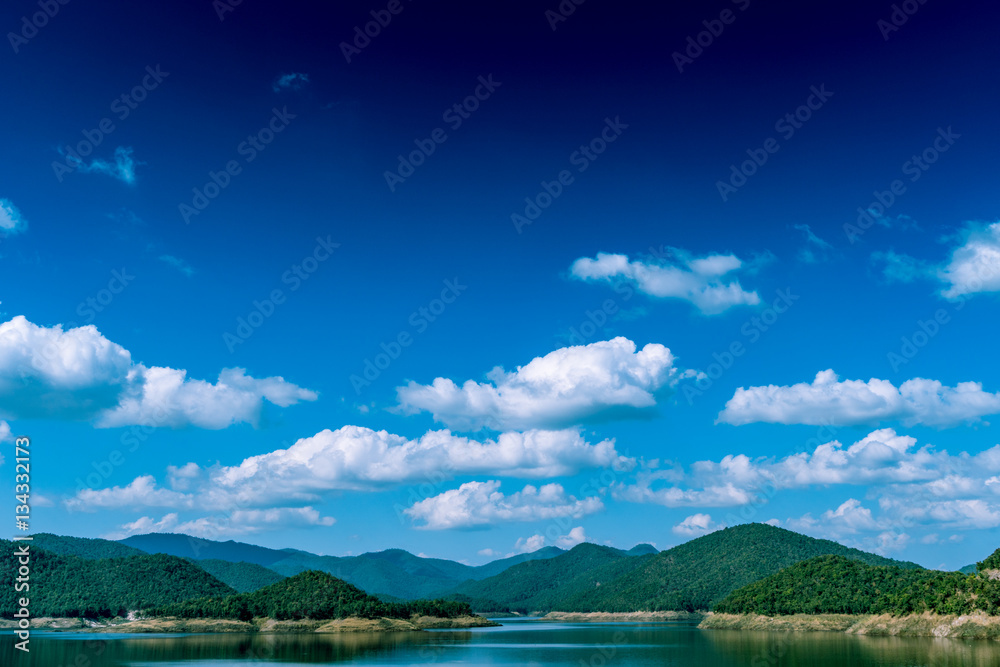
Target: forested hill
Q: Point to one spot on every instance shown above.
(311, 594)
(107, 587)
(699, 573)
(83, 547)
(540, 585)
(838, 585)
(244, 577)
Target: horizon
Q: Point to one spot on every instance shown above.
(471, 284)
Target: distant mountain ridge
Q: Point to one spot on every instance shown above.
(392, 573)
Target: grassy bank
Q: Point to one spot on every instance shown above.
(265, 625)
(973, 626)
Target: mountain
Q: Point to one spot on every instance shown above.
(393, 573)
(311, 594)
(83, 547)
(541, 584)
(72, 586)
(243, 577)
(699, 573)
(185, 546)
(992, 562)
(839, 585)
(642, 550)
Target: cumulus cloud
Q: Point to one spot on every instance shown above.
(526, 545)
(476, 504)
(700, 280)
(571, 385)
(853, 402)
(78, 374)
(290, 81)
(360, 459)
(696, 525)
(121, 167)
(974, 266)
(240, 522)
(11, 220)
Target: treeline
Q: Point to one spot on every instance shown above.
(103, 588)
(991, 563)
(311, 594)
(838, 585)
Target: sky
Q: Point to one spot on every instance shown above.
(473, 281)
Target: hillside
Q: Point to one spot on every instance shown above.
(73, 586)
(540, 585)
(992, 562)
(839, 585)
(311, 594)
(83, 547)
(185, 546)
(699, 573)
(242, 577)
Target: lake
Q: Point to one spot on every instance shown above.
(518, 642)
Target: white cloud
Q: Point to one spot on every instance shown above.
(178, 264)
(78, 374)
(574, 537)
(11, 220)
(483, 504)
(489, 553)
(292, 81)
(122, 168)
(696, 525)
(699, 280)
(974, 266)
(5, 433)
(816, 249)
(241, 522)
(900, 268)
(357, 458)
(571, 385)
(829, 400)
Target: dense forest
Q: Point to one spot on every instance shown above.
(84, 547)
(838, 585)
(991, 563)
(243, 577)
(311, 594)
(107, 587)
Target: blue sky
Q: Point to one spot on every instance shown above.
(484, 282)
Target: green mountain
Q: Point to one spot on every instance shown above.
(992, 562)
(392, 573)
(541, 585)
(699, 573)
(72, 586)
(83, 547)
(642, 550)
(968, 569)
(310, 594)
(243, 577)
(839, 585)
(691, 576)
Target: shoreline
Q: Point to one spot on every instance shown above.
(619, 617)
(969, 626)
(171, 625)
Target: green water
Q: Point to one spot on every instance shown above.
(516, 643)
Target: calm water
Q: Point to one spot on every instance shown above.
(517, 643)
